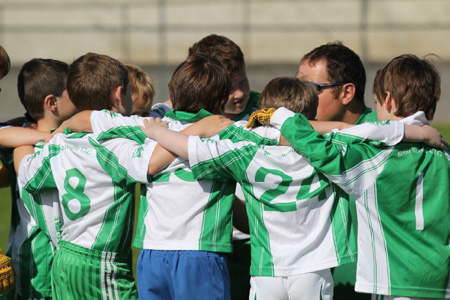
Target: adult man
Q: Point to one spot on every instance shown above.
(340, 78)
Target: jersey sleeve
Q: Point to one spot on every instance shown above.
(125, 160)
(105, 124)
(219, 159)
(263, 135)
(35, 174)
(389, 133)
(346, 160)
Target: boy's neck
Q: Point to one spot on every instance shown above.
(47, 125)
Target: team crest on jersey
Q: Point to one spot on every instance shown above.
(137, 152)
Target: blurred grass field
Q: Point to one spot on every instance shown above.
(5, 211)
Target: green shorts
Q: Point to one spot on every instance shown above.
(81, 273)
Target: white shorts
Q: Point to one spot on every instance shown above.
(382, 297)
(309, 286)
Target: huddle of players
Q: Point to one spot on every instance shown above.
(79, 188)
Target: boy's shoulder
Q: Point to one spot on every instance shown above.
(368, 115)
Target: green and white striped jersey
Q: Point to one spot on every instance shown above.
(402, 196)
(96, 186)
(178, 212)
(296, 226)
(30, 248)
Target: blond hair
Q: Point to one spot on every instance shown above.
(141, 85)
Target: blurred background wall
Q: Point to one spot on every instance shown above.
(273, 35)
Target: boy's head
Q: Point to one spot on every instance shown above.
(142, 90)
(5, 62)
(199, 82)
(99, 82)
(41, 86)
(230, 55)
(407, 84)
(295, 94)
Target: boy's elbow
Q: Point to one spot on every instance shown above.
(152, 170)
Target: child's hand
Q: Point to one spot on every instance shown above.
(152, 126)
(209, 126)
(434, 138)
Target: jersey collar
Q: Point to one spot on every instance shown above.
(183, 116)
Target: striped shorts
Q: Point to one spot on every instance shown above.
(81, 273)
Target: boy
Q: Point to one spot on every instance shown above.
(97, 209)
(401, 192)
(142, 90)
(241, 101)
(42, 90)
(240, 104)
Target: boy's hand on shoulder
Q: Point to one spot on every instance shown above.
(209, 126)
(434, 138)
(152, 126)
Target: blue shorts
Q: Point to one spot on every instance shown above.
(183, 275)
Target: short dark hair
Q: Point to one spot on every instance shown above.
(295, 94)
(199, 82)
(38, 79)
(224, 50)
(92, 78)
(414, 84)
(343, 66)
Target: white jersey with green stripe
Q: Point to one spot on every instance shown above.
(402, 197)
(178, 212)
(296, 226)
(31, 251)
(96, 185)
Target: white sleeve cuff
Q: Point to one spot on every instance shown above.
(280, 116)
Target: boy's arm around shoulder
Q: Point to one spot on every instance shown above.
(333, 158)
(163, 156)
(12, 137)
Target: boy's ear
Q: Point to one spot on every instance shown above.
(117, 96)
(348, 92)
(389, 103)
(50, 103)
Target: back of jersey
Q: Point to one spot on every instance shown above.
(405, 216)
(97, 208)
(295, 225)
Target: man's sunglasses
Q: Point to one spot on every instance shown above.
(321, 86)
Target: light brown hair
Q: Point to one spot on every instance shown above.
(224, 50)
(295, 94)
(141, 85)
(414, 84)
